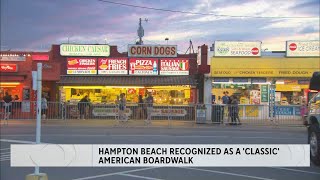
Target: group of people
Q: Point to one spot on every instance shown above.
(10, 103)
(145, 107)
(231, 102)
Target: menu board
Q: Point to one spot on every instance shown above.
(112, 66)
(174, 66)
(264, 93)
(143, 66)
(81, 66)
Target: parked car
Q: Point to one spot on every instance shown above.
(313, 120)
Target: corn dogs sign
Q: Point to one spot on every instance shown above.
(84, 50)
(152, 51)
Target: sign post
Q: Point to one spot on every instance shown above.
(272, 107)
(37, 174)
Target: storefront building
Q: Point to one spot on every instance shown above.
(248, 75)
(102, 73)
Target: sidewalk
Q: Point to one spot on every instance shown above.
(109, 123)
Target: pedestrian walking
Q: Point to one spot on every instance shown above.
(44, 107)
(82, 107)
(122, 107)
(7, 107)
(149, 104)
(140, 110)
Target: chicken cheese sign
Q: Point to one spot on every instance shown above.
(82, 66)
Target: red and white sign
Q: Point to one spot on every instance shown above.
(82, 66)
(143, 66)
(40, 57)
(303, 48)
(8, 68)
(174, 66)
(237, 48)
(152, 50)
(113, 66)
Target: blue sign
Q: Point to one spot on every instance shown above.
(240, 80)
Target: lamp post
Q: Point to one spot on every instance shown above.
(166, 39)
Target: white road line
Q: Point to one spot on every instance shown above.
(162, 135)
(4, 149)
(227, 173)
(296, 170)
(115, 173)
(141, 177)
(17, 141)
(5, 159)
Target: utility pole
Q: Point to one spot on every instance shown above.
(141, 30)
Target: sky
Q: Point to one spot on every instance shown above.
(34, 25)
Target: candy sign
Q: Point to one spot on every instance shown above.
(143, 66)
(174, 66)
(112, 66)
(81, 66)
(303, 49)
(237, 48)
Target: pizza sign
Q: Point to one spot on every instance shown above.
(81, 66)
(143, 66)
(112, 66)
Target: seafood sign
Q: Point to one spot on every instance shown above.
(81, 66)
(174, 66)
(113, 66)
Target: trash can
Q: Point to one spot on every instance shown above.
(201, 114)
(217, 113)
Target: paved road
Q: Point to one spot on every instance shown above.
(137, 135)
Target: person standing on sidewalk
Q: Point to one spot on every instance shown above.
(122, 107)
(7, 107)
(225, 102)
(44, 107)
(149, 104)
(82, 106)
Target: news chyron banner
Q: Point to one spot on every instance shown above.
(169, 155)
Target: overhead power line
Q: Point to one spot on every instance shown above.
(207, 14)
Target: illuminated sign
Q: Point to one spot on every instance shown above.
(40, 57)
(12, 57)
(84, 50)
(303, 48)
(152, 51)
(8, 68)
(113, 66)
(174, 66)
(81, 66)
(237, 48)
(143, 66)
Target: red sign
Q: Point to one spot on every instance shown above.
(40, 57)
(174, 66)
(8, 68)
(143, 66)
(255, 51)
(113, 66)
(82, 66)
(293, 46)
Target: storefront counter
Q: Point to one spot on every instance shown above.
(133, 111)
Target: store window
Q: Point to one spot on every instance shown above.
(14, 89)
(176, 95)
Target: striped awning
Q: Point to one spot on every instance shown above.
(127, 80)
